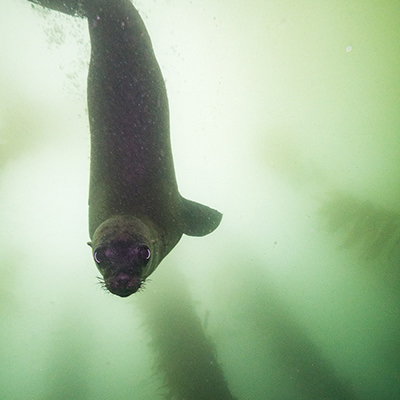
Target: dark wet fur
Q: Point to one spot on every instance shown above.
(132, 173)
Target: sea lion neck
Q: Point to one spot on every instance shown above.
(125, 228)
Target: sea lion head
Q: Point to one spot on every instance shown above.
(126, 252)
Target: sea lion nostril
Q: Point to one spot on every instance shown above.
(122, 280)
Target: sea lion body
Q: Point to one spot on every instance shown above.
(136, 214)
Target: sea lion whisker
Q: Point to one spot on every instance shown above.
(101, 282)
(143, 285)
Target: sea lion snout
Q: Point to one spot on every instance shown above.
(123, 284)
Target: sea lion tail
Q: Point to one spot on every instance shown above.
(198, 219)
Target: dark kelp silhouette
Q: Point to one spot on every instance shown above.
(184, 354)
(372, 230)
(136, 213)
(15, 124)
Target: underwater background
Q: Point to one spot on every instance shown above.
(285, 117)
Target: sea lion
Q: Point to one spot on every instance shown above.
(136, 214)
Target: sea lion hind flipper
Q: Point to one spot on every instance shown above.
(198, 219)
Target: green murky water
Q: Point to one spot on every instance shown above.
(284, 116)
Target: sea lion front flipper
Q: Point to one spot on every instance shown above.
(198, 219)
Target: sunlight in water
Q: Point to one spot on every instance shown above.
(284, 116)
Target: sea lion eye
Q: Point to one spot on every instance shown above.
(99, 256)
(144, 253)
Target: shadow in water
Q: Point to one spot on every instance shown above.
(290, 360)
(289, 346)
(66, 375)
